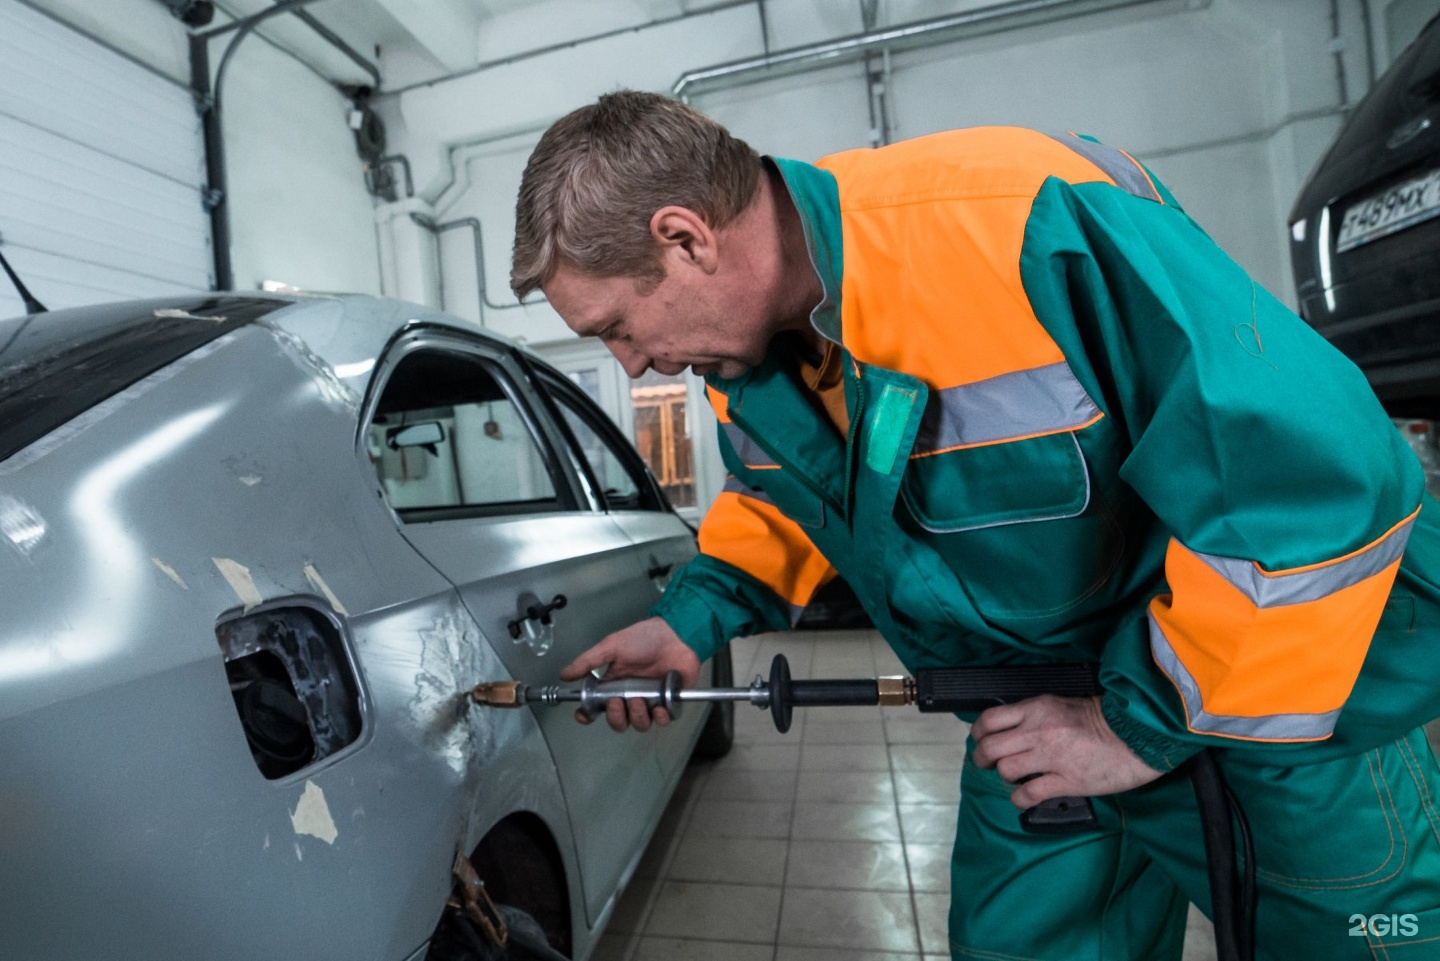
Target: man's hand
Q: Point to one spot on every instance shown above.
(1062, 744)
(647, 649)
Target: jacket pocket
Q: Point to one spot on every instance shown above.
(1035, 479)
(1018, 523)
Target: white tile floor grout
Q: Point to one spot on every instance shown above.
(856, 804)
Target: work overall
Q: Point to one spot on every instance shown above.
(1074, 430)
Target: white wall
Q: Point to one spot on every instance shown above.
(299, 210)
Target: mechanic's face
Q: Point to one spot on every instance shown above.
(691, 318)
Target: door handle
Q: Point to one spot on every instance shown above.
(659, 570)
(536, 612)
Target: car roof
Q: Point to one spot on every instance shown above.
(363, 324)
(57, 364)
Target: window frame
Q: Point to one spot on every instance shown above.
(552, 385)
(514, 381)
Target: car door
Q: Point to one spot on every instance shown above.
(634, 502)
(485, 490)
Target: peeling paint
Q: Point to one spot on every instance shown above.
(312, 816)
(318, 582)
(170, 313)
(335, 392)
(238, 576)
(453, 659)
(170, 572)
(247, 469)
(21, 524)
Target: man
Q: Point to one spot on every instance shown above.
(1001, 383)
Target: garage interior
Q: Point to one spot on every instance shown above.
(153, 148)
(376, 147)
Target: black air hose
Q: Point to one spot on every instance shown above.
(1232, 903)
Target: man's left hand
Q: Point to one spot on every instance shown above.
(1061, 744)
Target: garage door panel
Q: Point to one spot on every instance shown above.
(101, 170)
(54, 160)
(62, 281)
(60, 80)
(97, 214)
(73, 111)
(72, 238)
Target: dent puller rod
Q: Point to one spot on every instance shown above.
(950, 690)
(944, 690)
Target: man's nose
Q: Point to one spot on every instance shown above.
(634, 362)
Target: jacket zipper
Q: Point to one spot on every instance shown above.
(850, 443)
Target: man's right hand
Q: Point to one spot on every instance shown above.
(647, 649)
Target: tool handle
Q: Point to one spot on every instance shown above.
(663, 692)
(786, 693)
(834, 692)
(951, 689)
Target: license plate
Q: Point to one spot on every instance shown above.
(1403, 205)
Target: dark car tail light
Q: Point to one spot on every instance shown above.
(294, 687)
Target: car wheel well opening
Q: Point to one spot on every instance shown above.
(520, 863)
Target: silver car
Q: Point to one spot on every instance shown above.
(254, 552)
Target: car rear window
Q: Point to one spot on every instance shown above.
(55, 366)
(1409, 88)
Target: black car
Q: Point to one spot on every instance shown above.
(1365, 234)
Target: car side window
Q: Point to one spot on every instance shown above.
(622, 480)
(450, 438)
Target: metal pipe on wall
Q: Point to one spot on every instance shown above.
(207, 100)
(336, 41)
(1365, 15)
(404, 163)
(1337, 47)
(876, 88)
(909, 36)
(474, 224)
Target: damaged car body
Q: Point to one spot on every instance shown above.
(256, 551)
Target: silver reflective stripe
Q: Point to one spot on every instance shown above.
(1270, 727)
(1044, 400)
(748, 451)
(1125, 172)
(734, 485)
(1277, 590)
(795, 611)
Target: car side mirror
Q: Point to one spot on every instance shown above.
(427, 435)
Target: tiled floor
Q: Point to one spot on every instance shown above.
(828, 843)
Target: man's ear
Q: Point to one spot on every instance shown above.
(682, 233)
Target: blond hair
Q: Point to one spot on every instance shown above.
(600, 172)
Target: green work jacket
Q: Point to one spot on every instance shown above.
(1078, 431)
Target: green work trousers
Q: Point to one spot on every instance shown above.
(1347, 858)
